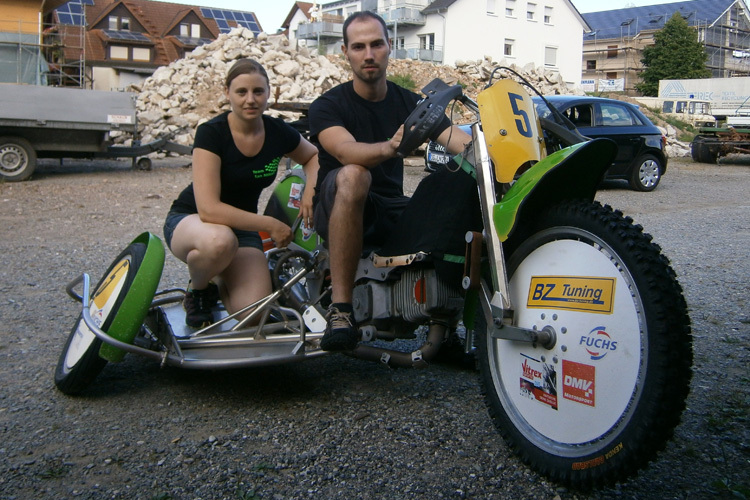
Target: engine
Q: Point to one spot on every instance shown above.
(414, 298)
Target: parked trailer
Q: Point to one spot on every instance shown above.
(55, 122)
(713, 143)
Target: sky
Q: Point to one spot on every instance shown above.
(271, 13)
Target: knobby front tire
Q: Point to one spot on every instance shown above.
(607, 396)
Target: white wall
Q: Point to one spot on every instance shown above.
(471, 33)
(297, 18)
(111, 79)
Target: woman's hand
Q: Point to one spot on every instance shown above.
(281, 234)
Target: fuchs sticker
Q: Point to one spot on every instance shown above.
(579, 382)
(539, 381)
(598, 343)
(575, 293)
(295, 195)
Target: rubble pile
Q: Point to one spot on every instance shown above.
(177, 98)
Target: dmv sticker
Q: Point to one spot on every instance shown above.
(576, 293)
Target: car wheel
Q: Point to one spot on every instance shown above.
(646, 174)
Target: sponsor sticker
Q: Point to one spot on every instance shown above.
(598, 343)
(539, 381)
(579, 382)
(295, 196)
(575, 293)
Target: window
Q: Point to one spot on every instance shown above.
(668, 106)
(591, 64)
(550, 56)
(184, 30)
(490, 6)
(427, 42)
(510, 8)
(113, 25)
(125, 23)
(611, 51)
(530, 11)
(616, 115)
(195, 31)
(548, 15)
(141, 54)
(508, 47)
(118, 52)
(612, 75)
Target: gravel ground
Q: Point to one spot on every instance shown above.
(332, 427)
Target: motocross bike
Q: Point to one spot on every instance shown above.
(576, 319)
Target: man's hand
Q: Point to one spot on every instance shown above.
(394, 142)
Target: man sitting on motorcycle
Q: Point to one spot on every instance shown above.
(358, 126)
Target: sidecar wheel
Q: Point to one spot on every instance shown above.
(80, 362)
(606, 397)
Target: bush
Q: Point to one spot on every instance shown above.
(405, 81)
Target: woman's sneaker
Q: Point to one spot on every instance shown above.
(341, 333)
(198, 305)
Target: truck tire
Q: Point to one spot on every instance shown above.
(17, 159)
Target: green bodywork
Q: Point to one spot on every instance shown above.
(134, 307)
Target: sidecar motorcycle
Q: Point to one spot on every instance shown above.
(577, 321)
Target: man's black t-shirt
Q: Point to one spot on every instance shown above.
(368, 122)
(243, 178)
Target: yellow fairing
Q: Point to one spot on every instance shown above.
(511, 128)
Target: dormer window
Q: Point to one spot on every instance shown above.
(119, 23)
(190, 30)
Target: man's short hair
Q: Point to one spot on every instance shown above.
(359, 16)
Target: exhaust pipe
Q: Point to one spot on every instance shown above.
(415, 359)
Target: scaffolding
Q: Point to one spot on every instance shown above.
(46, 54)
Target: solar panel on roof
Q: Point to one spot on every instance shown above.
(72, 12)
(126, 35)
(222, 18)
(64, 18)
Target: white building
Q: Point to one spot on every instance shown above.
(545, 33)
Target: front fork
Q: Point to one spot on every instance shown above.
(495, 300)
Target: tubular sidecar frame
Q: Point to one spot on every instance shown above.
(281, 335)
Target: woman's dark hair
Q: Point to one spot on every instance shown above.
(359, 16)
(246, 67)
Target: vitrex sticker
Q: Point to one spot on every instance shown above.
(579, 382)
(539, 381)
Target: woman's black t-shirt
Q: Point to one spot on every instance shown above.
(243, 178)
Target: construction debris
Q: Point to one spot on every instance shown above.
(178, 97)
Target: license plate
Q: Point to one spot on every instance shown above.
(440, 159)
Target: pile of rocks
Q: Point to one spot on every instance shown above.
(178, 97)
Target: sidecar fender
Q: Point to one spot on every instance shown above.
(573, 172)
(134, 306)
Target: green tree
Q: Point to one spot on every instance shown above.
(676, 54)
